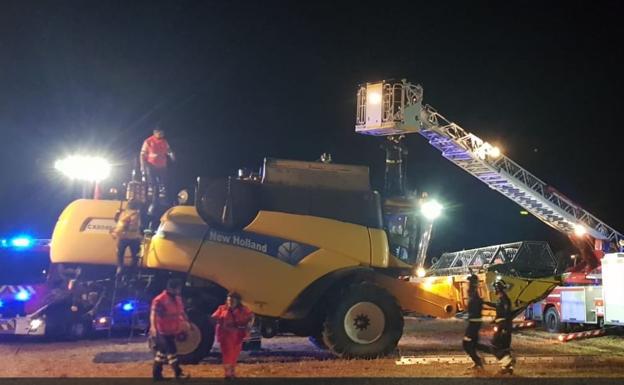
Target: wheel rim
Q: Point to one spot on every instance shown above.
(364, 322)
(187, 342)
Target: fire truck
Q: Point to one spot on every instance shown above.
(41, 299)
(395, 109)
(578, 306)
(23, 282)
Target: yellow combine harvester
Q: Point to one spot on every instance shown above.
(307, 246)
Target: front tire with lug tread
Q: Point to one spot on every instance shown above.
(363, 322)
(196, 343)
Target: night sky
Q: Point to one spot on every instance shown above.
(235, 81)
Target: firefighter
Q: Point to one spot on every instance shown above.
(471, 336)
(154, 156)
(167, 320)
(501, 341)
(127, 232)
(234, 322)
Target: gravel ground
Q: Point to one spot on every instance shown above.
(296, 357)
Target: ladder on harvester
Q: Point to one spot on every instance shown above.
(400, 111)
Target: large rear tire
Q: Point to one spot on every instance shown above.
(364, 322)
(196, 343)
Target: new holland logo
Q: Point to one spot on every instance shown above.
(238, 240)
(290, 252)
(283, 249)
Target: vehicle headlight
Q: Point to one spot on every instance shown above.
(35, 323)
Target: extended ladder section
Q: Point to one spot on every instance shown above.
(396, 109)
(527, 259)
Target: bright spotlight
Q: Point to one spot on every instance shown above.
(431, 209)
(579, 230)
(87, 168)
(374, 98)
(494, 152)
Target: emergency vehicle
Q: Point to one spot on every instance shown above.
(23, 283)
(38, 298)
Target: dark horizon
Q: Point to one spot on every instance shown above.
(234, 82)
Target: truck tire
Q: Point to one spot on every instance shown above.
(552, 322)
(364, 322)
(195, 344)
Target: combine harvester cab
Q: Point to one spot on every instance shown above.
(528, 268)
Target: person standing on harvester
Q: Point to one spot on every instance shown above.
(154, 159)
(127, 232)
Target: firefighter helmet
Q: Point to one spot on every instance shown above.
(499, 286)
(473, 280)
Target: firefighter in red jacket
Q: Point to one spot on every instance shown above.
(155, 154)
(167, 320)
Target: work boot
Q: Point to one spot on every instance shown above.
(157, 372)
(179, 374)
(505, 371)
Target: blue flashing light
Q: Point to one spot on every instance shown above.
(1, 303)
(21, 242)
(22, 295)
(128, 306)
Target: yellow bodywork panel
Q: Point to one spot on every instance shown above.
(521, 291)
(82, 233)
(268, 284)
(380, 252)
(433, 296)
(343, 238)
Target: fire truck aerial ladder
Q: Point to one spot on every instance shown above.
(396, 109)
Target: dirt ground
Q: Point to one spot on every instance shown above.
(296, 357)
